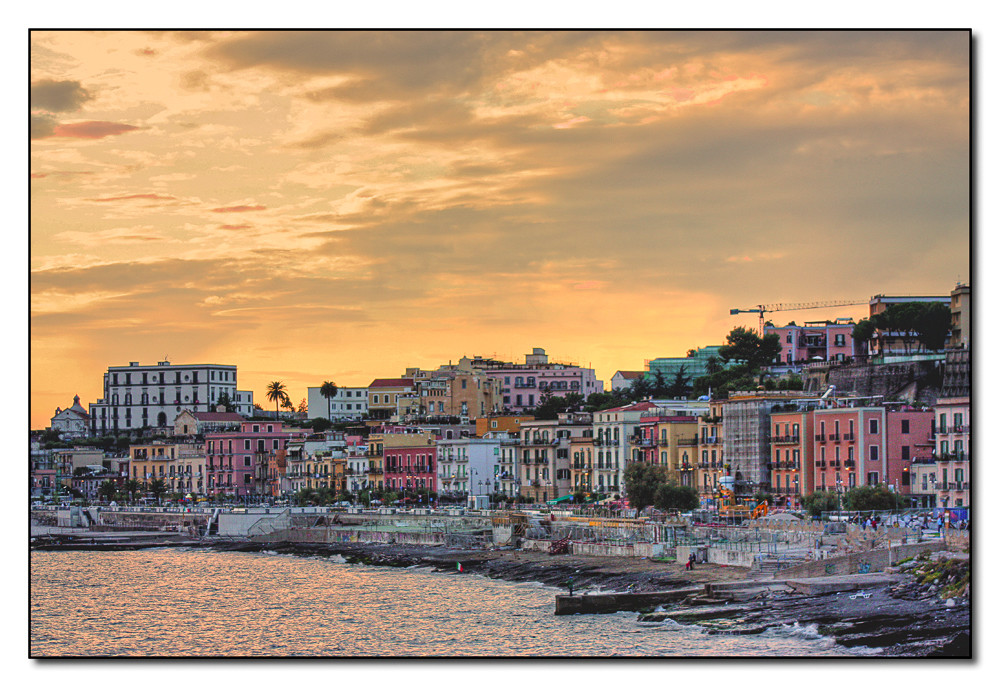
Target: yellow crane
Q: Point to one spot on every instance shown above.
(778, 307)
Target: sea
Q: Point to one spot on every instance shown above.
(173, 602)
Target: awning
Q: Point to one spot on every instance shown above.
(561, 499)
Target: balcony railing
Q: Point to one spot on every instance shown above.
(821, 463)
(710, 440)
(848, 436)
(820, 437)
(835, 437)
(785, 439)
(687, 441)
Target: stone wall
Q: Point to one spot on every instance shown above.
(867, 561)
(330, 535)
(914, 381)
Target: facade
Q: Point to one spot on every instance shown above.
(791, 455)
(189, 423)
(695, 364)
(623, 379)
(138, 396)
(349, 404)
(410, 461)
(463, 391)
(511, 424)
(468, 467)
(316, 461)
(521, 386)
(952, 452)
(384, 394)
(961, 316)
(814, 341)
(546, 465)
(73, 422)
(901, 343)
(612, 427)
(234, 459)
(711, 452)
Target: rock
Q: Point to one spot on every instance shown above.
(950, 603)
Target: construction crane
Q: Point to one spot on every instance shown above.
(778, 307)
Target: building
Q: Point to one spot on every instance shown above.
(952, 452)
(667, 440)
(511, 424)
(349, 404)
(463, 391)
(234, 459)
(546, 465)
(137, 396)
(792, 445)
(73, 422)
(316, 461)
(384, 394)
(961, 316)
(410, 461)
(896, 342)
(191, 423)
(814, 341)
(522, 385)
(697, 363)
(623, 379)
(611, 429)
(468, 467)
(711, 449)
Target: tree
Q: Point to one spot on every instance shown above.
(277, 393)
(158, 488)
(820, 501)
(132, 487)
(641, 482)
(712, 365)
(670, 496)
(745, 346)
(303, 406)
(287, 404)
(225, 400)
(328, 390)
(639, 389)
(660, 388)
(873, 498)
(319, 424)
(107, 490)
(680, 384)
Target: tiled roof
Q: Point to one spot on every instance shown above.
(218, 417)
(628, 374)
(378, 383)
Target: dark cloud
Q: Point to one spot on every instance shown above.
(42, 126)
(58, 96)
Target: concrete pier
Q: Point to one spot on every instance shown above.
(612, 603)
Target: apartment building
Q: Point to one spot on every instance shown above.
(316, 461)
(384, 396)
(410, 461)
(234, 460)
(137, 396)
(612, 427)
(952, 452)
(470, 466)
(349, 404)
(791, 454)
(546, 468)
(711, 452)
(814, 341)
(522, 385)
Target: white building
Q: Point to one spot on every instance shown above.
(347, 405)
(468, 466)
(137, 396)
(71, 422)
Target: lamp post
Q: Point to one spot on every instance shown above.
(839, 486)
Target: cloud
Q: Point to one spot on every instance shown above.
(42, 126)
(58, 96)
(134, 196)
(89, 130)
(240, 208)
(233, 227)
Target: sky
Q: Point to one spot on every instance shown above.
(341, 205)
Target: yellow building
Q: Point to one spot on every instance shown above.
(711, 459)
(181, 467)
(501, 423)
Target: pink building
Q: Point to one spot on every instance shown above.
(792, 444)
(868, 446)
(410, 468)
(824, 340)
(523, 385)
(231, 458)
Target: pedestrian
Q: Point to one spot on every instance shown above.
(875, 525)
(569, 583)
(864, 525)
(692, 559)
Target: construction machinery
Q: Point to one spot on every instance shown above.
(778, 307)
(732, 506)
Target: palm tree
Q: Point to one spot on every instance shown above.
(328, 390)
(276, 392)
(107, 490)
(158, 488)
(132, 487)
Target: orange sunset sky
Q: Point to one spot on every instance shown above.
(341, 205)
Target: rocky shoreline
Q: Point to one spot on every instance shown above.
(907, 619)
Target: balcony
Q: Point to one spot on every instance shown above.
(710, 440)
(834, 437)
(849, 463)
(785, 439)
(848, 436)
(821, 437)
(687, 441)
(821, 463)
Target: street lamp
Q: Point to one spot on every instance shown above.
(839, 485)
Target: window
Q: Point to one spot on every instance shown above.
(905, 453)
(873, 426)
(872, 479)
(246, 444)
(905, 429)
(943, 426)
(246, 461)
(958, 422)
(873, 452)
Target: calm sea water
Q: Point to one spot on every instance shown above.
(173, 602)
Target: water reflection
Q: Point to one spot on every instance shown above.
(170, 602)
